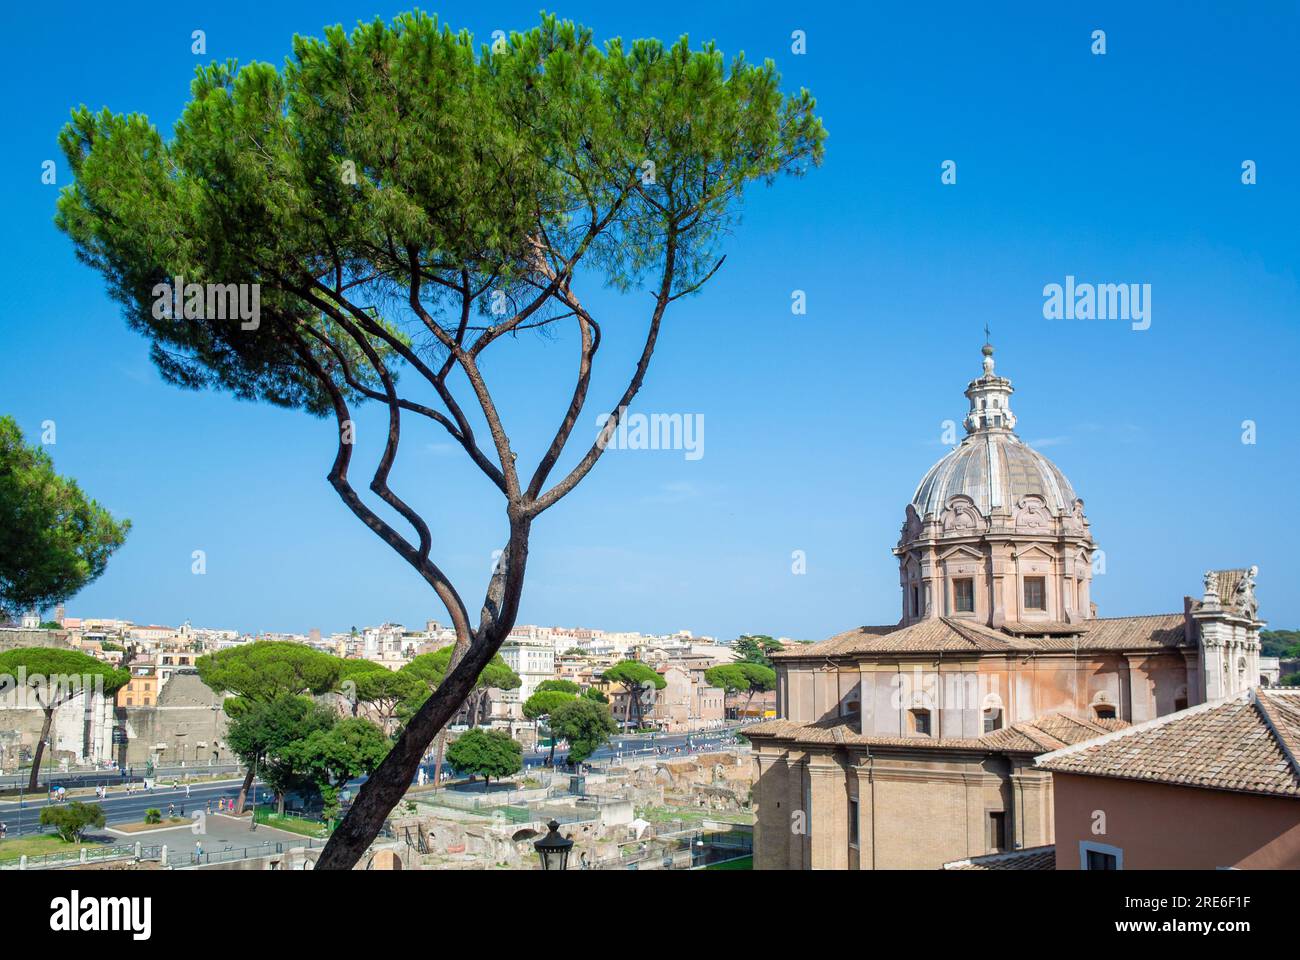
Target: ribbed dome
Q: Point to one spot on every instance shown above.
(994, 469)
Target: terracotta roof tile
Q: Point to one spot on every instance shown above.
(1031, 858)
(1247, 744)
(951, 634)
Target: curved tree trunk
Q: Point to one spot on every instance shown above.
(389, 783)
(243, 791)
(40, 750)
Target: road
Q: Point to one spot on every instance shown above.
(93, 778)
(120, 808)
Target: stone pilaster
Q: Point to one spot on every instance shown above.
(866, 814)
(829, 818)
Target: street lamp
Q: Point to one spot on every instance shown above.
(553, 849)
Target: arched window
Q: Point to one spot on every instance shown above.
(1104, 711)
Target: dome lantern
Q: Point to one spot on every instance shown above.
(994, 530)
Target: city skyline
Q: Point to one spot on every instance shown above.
(816, 441)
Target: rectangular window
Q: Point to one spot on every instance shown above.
(1035, 594)
(916, 600)
(1100, 856)
(853, 821)
(921, 722)
(1101, 861)
(964, 595)
(997, 831)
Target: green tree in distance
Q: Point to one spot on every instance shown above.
(72, 821)
(261, 731)
(756, 648)
(385, 691)
(402, 203)
(487, 754)
(637, 679)
(262, 672)
(591, 693)
(431, 669)
(586, 724)
(742, 677)
(330, 758)
(53, 540)
(1280, 643)
(729, 677)
(51, 678)
(542, 704)
(562, 685)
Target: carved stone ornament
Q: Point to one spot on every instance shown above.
(911, 525)
(961, 517)
(1032, 514)
(1211, 585)
(1073, 521)
(1243, 597)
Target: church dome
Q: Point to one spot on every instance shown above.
(995, 470)
(992, 466)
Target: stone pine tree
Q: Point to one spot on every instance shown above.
(637, 680)
(586, 724)
(487, 754)
(541, 706)
(49, 678)
(375, 220)
(384, 691)
(263, 672)
(53, 540)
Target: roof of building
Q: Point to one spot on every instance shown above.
(995, 470)
(954, 635)
(1041, 735)
(1249, 743)
(992, 466)
(1030, 858)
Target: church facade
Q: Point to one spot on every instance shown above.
(912, 745)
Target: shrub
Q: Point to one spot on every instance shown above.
(153, 815)
(70, 822)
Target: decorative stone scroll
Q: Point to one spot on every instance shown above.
(962, 517)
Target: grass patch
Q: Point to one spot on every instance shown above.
(291, 824)
(36, 846)
(742, 863)
(694, 815)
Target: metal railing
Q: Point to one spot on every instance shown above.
(92, 854)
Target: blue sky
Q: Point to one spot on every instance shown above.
(1117, 168)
